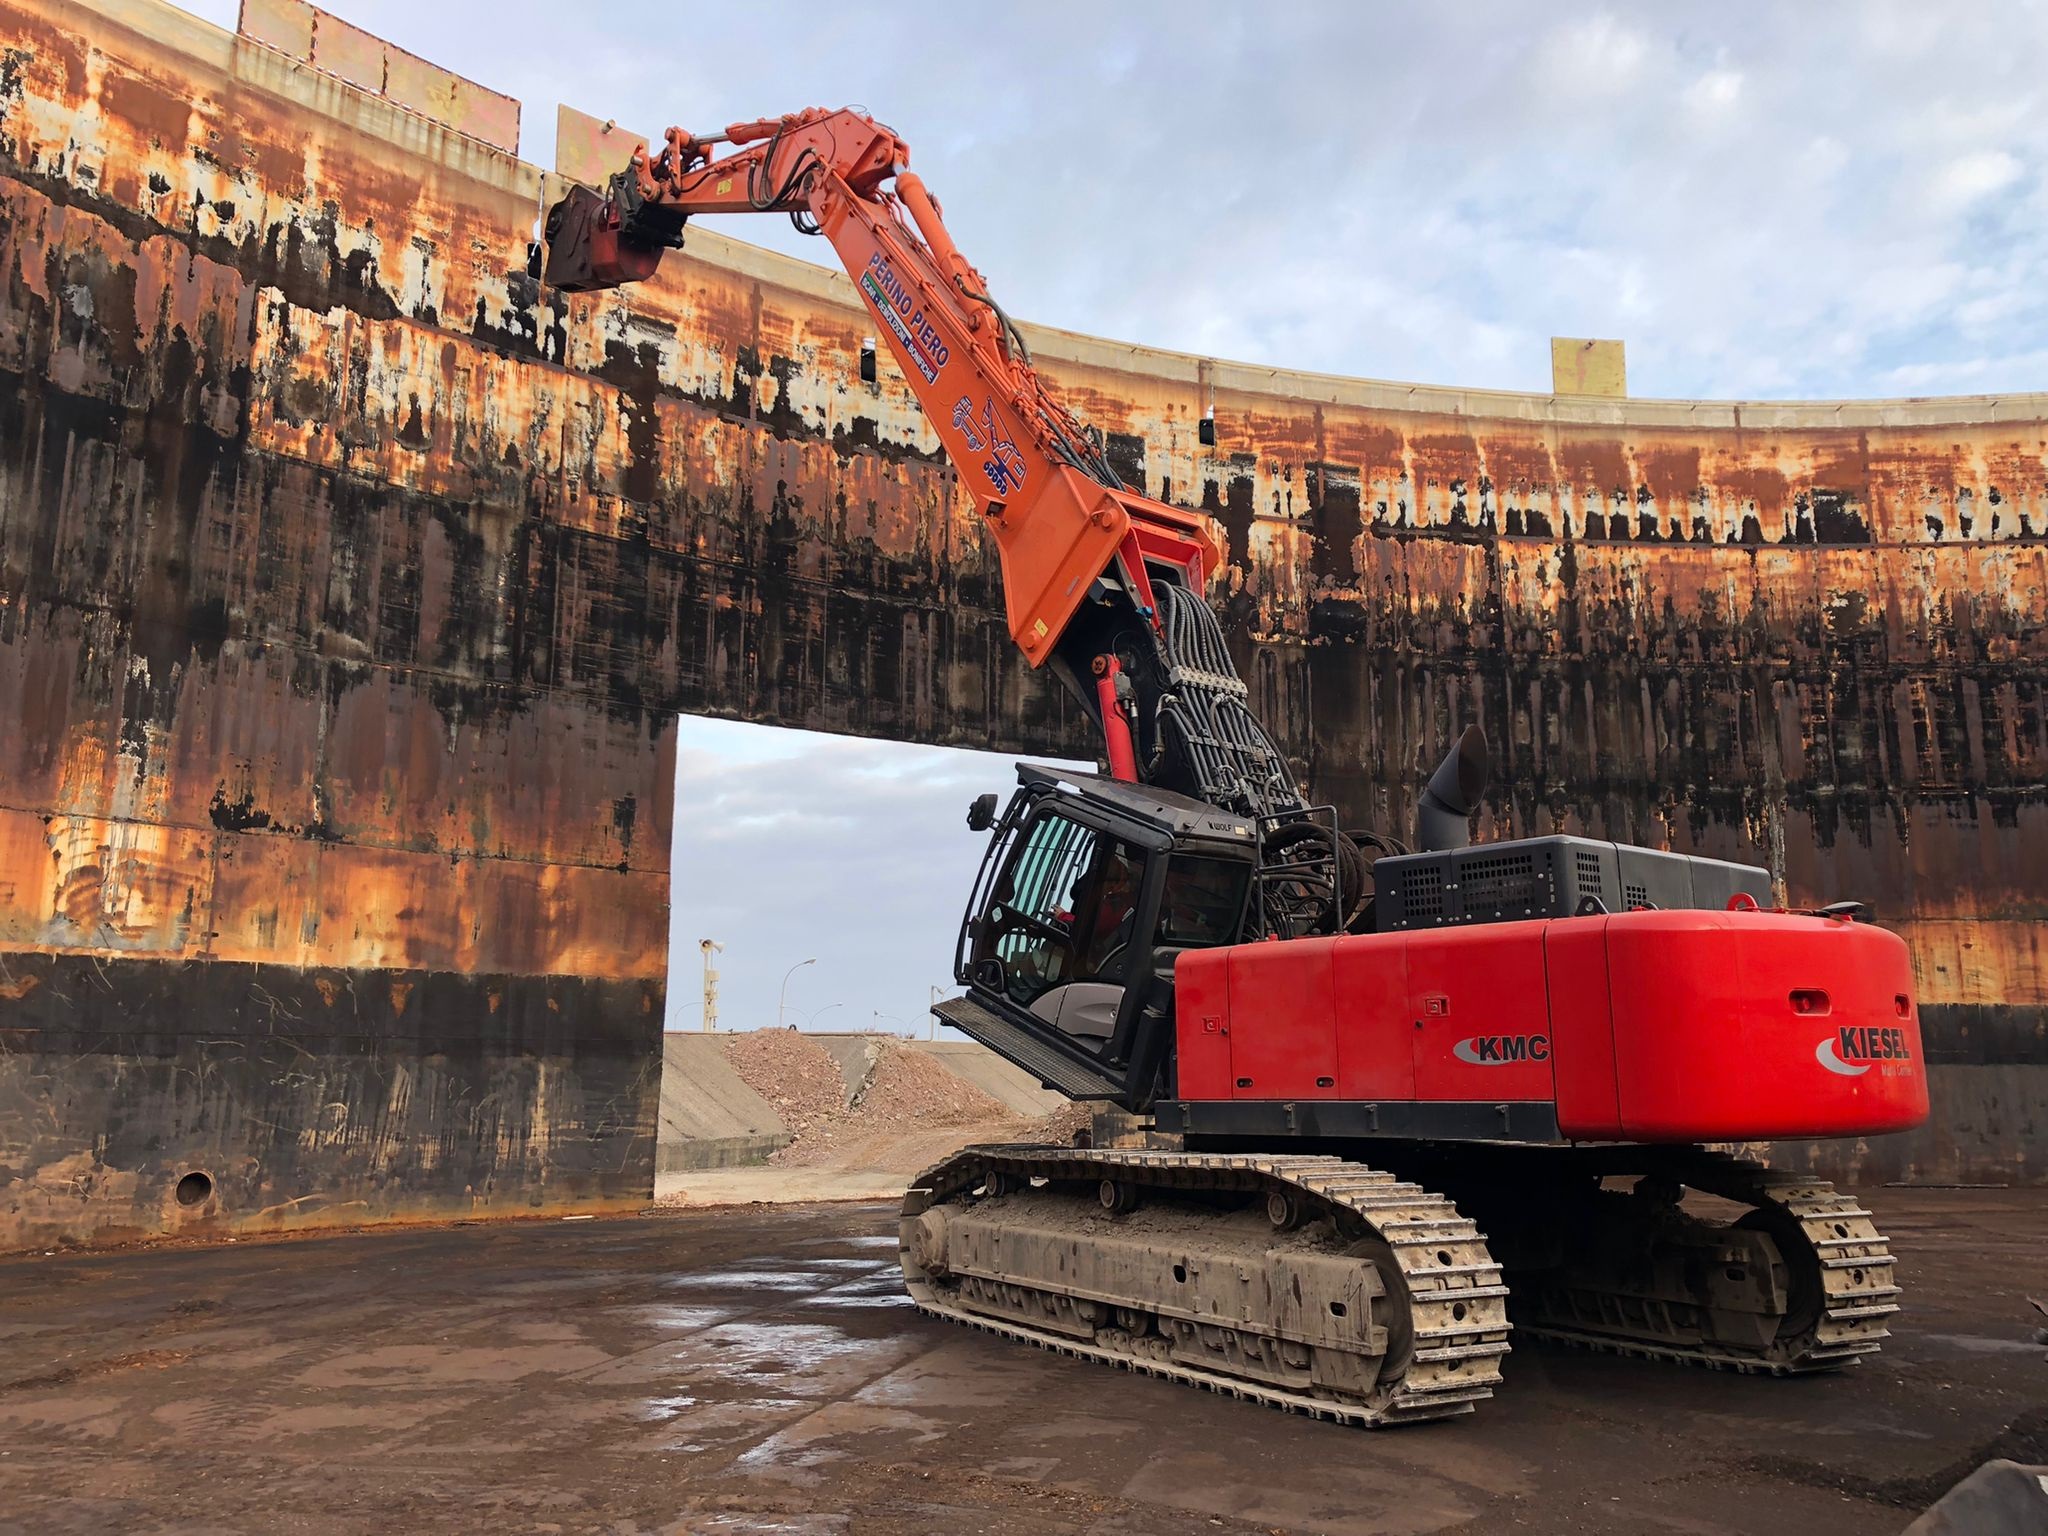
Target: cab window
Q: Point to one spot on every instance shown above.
(1203, 902)
(1063, 908)
(1028, 927)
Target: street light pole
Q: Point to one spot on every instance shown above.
(782, 1002)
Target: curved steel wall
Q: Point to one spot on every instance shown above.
(349, 585)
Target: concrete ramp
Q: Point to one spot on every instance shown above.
(710, 1118)
(1010, 1086)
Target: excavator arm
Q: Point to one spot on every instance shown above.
(1100, 581)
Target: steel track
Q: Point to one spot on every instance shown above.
(1447, 1281)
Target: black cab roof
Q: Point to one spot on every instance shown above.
(1178, 815)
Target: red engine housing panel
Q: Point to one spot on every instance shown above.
(1672, 1026)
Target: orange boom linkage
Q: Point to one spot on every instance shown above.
(1083, 556)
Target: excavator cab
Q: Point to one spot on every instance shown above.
(1090, 889)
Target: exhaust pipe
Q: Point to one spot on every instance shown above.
(1443, 816)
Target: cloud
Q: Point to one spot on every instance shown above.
(1715, 92)
(1594, 53)
(1411, 192)
(1971, 177)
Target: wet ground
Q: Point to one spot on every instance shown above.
(759, 1370)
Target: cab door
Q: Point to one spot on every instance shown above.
(1480, 1009)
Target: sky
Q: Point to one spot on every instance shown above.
(791, 846)
(1763, 200)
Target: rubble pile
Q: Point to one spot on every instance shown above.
(905, 1092)
(792, 1072)
(910, 1087)
(1061, 1126)
(892, 1112)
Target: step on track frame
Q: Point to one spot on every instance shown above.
(1451, 1323)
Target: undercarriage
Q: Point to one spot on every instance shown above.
(1323, 1285)
(1679, 1253)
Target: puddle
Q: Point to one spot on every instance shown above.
(880, 1290)
(776, 1262)
(780, 1525)
(749, 1279)
(808, 1359)
(1983, 1344)
(778, 1346)
(682, 1319)
(836, 1433)
(963, 1376)
(660, 1410)
(871, 1283)
(723, 1425)
(878, 1241)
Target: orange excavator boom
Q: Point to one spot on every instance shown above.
(1099, 580)
(1060, 516)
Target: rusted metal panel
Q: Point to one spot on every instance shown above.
(286, 25)
(349, 583)
(313, 1096)
(348, 52)
(1582, 367)
(89, 883)
(591, 149)
(280, 734)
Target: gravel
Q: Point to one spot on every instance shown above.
(910, 1086)
(908, 1094)
(792, 1072)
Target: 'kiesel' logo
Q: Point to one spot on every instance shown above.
(1853, 1052)
(1499, 1050)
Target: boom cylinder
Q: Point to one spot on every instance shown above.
(1110, 687)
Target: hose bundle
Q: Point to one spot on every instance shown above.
(1203, 716)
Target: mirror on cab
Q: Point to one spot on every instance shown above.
(982, 814)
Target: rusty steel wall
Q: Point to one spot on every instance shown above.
(349, 586)
(328, 866)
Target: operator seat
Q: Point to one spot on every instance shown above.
(1085, 1010)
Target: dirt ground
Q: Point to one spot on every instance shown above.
(759, 1370)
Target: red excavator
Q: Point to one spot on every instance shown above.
(1355, 1056)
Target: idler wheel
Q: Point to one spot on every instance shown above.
(928, 1241)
